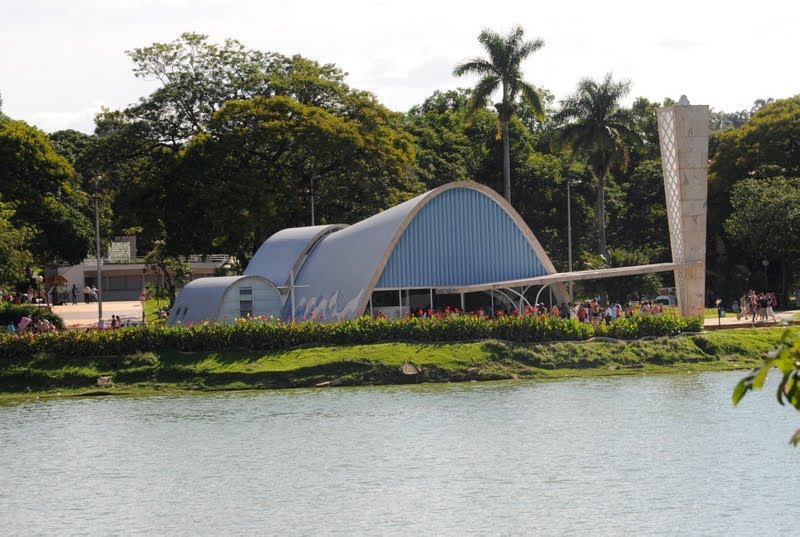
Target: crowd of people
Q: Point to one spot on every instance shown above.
(589, 311)
(32, 296)
(37, 296)
(26, 324)
(757, 306)
(593, 312)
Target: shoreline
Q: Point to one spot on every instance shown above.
(173, 372)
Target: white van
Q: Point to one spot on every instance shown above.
(667, 300)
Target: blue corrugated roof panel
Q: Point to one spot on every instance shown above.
(461, 237)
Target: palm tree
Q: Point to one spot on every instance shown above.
(596, 126)
(502, 70)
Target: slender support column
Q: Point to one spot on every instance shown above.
(99, 259)
(291, 291)
(683, 133)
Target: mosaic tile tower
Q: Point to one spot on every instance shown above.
(683, 133)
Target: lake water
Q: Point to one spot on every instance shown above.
(656, 455)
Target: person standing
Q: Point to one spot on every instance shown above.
(74, 294)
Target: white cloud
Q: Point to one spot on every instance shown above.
(62, 56)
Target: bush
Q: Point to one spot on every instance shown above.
(12, 313)
(263, 334)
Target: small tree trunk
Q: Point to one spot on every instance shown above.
(506, 163)
(600, 211)
(169, 284)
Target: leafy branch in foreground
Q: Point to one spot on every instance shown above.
(785, 358)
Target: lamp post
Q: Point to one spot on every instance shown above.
(312, 198)
(569, 229)
(99, 261)
(765, 263)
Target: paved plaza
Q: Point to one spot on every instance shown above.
(85, 315)
(730, 321)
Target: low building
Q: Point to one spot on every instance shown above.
(125, 275)
(396, 262)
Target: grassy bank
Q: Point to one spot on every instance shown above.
(171, 370)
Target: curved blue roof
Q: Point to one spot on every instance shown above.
(460, 237)
(458, 234)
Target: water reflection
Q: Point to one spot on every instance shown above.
(621, 455)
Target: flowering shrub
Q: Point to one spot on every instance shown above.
(263, 334)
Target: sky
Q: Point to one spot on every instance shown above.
(62, 60)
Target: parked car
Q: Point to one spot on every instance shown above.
(667, 300)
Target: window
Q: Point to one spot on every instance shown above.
(245, 308)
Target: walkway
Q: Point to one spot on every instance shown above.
(85, 315)
(729, 321)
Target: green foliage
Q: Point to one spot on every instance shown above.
(72, 145)
(15, 258)
(503, 71)
(175, 271)
(453, 142)
(46, 197)
(766, 216)
(138, 359)
(263, 334)
(238, 136)
(786, 359)
(249, 174)
(640, 222)
(761, 149)
(625, 288)
(595, 126)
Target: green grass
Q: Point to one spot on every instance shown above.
(380, 364)
(151, 307)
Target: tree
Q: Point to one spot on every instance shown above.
(766, 221)
(141, 147)
(452, 142)
(640, 220)
(596, 126)
(15, 258)
(72, 145)
(503, 70)
(46, 195)
(249, 175)
(764, 148)
(623, 288)
(176, 271)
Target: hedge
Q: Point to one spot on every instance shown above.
(12, 313)
(261, 334)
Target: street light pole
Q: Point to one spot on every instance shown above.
(766, 264)
(569, 231)
(99, 263)
(312, 200)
